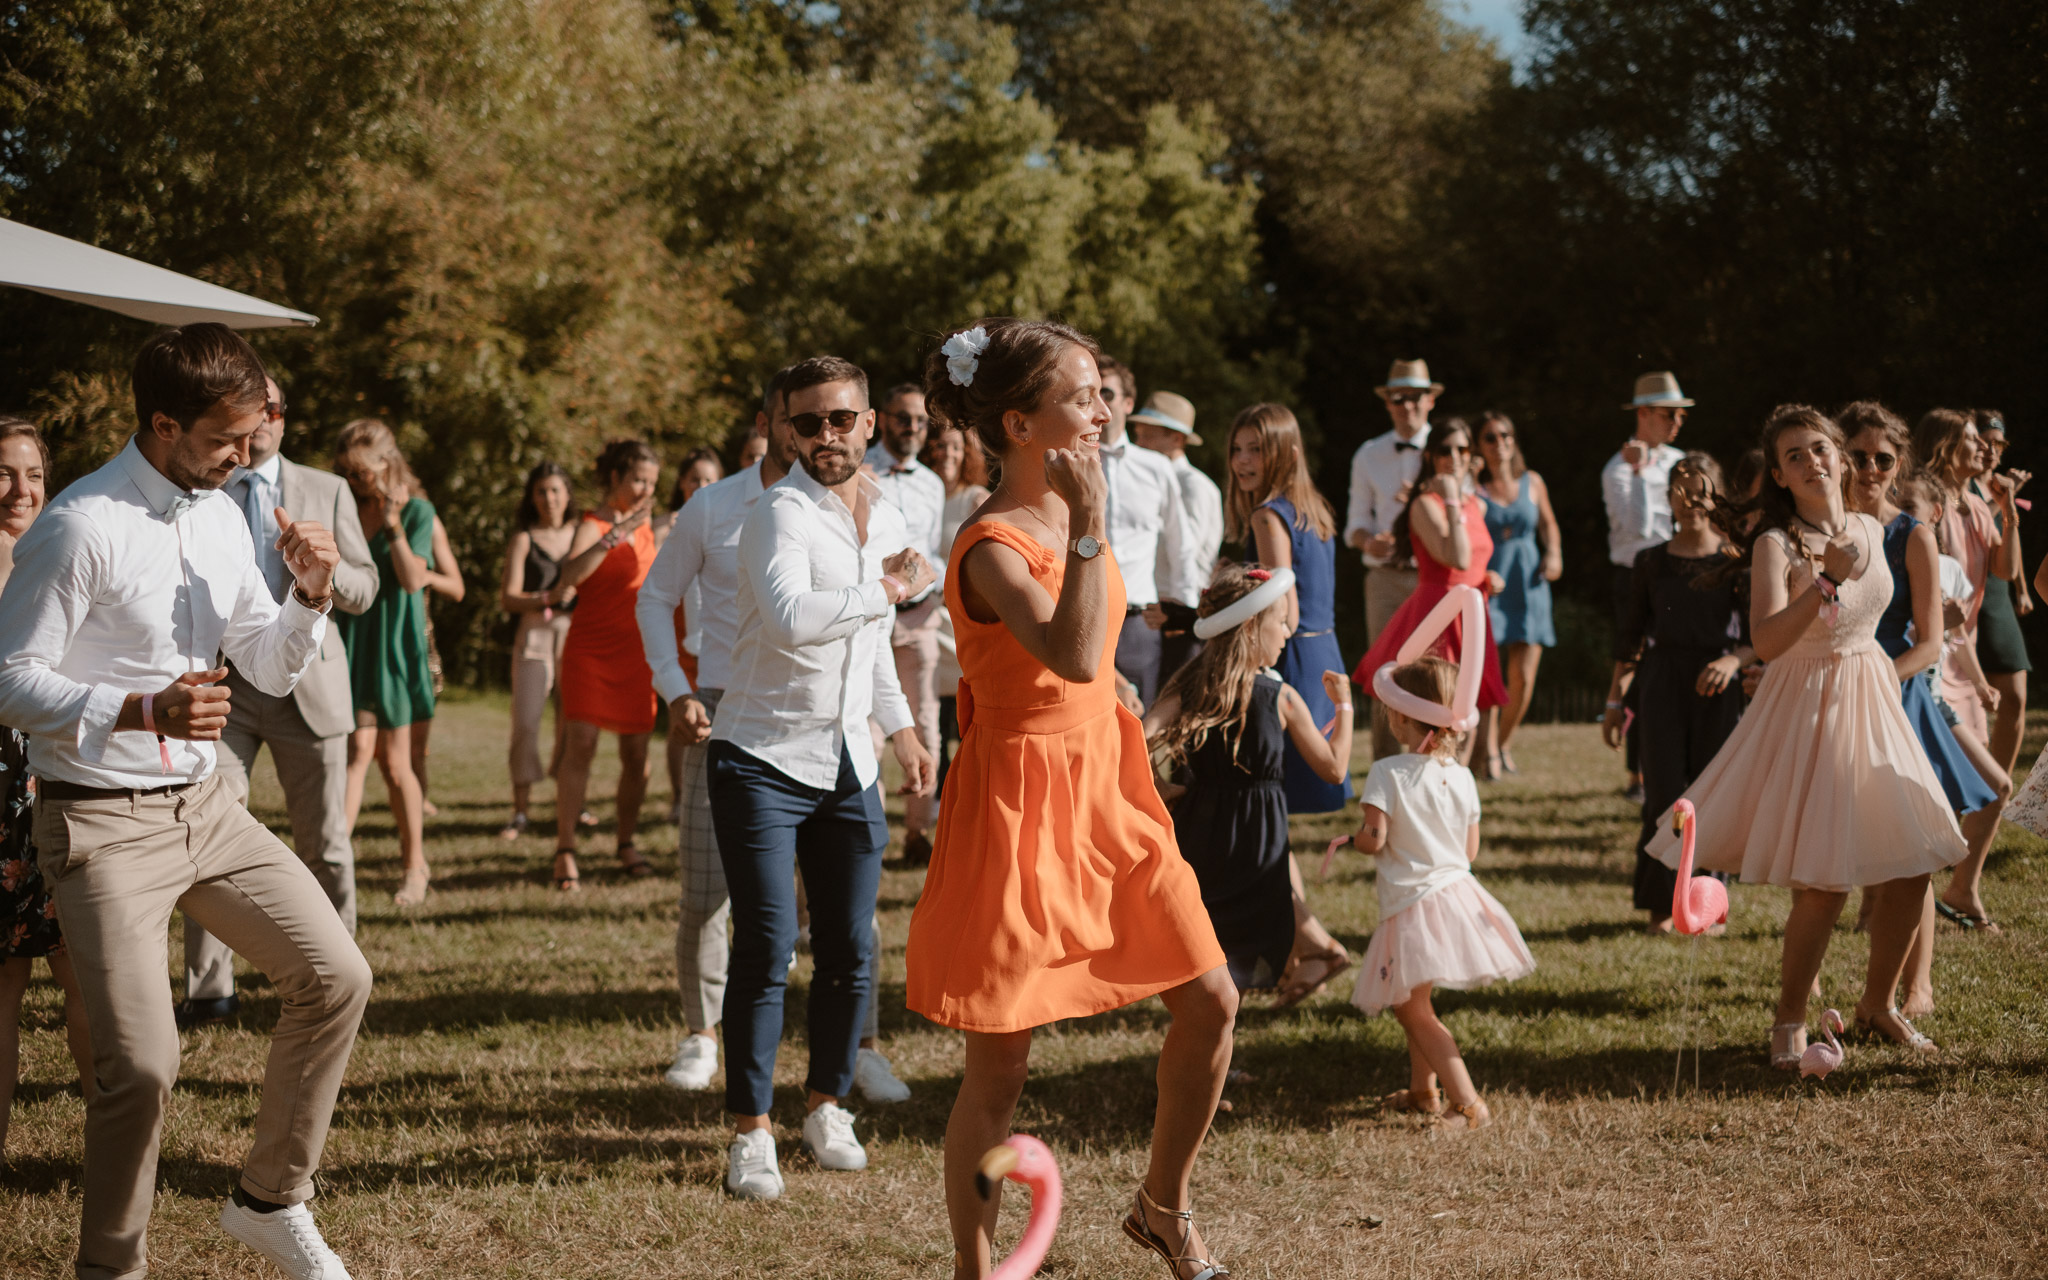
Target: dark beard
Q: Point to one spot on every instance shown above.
(185, 474)
(830, 471)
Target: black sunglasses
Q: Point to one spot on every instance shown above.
(273, 408)
(1882, 461)
(808, 425)
(1405, 397)
(1497, 437)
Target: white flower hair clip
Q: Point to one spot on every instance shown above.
(960, 352)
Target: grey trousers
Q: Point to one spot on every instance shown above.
(314, 774)
(1386, 589)
(703, 948)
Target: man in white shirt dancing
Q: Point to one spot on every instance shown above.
(1636, 484)
(920, 495)
(1148, 531)
(122, 595)
(1166, 426)
(792, 769)
(308, 729)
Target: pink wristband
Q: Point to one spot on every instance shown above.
(902, 592)
(149, 725)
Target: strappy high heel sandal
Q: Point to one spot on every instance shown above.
(1871, 1030)
(1404, 1101)
(1141, 1231)
(566, 881)
(633, 863)
(1788, 1045)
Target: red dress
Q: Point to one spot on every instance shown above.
(605, 679)
(1433, 579)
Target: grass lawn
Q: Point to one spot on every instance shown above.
(505, 1115)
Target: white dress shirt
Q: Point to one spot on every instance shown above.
(920, 496)
(1148, 527)
(1638, 503)
(812, 660)
(126, 583)
(1202, 502)
(1380, 470)
(700, 563)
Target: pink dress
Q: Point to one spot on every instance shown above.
(1968, 533)
(1433, 578)
(1823, 784)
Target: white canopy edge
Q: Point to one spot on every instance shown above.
(70, 269)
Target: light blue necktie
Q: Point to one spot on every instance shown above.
(259, 507)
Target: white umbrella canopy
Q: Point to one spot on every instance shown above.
(62, 268)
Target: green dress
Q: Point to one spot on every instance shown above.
(387, 642)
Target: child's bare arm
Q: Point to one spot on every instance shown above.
(1372, 830)
(1160, 715)
(1329, 757)
(1472, 843)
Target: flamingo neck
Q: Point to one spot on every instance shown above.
(1023, 1261)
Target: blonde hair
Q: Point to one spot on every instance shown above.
(367, 448)
(1285, 475)
(1434, 680)
(1215, 689)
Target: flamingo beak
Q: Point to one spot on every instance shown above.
(995, 1166)
(1678, 823)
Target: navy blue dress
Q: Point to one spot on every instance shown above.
(1311, 651)
(1960, 782)
(1231, 825)
(1521, 612)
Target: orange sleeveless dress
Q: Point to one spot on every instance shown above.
(1056, 889)
(605, 679)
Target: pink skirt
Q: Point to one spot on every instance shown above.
(1457, 937)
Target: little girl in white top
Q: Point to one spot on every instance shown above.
(1437, 926)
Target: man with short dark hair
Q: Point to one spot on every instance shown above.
(793, 775)
(920, 495)
(123, 593)
(308, 729)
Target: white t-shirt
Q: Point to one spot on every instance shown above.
(1429, 804)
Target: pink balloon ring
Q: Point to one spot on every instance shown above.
(1467, 607)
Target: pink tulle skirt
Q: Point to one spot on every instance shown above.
(1457, 937)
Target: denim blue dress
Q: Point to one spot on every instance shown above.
(1521, 612)
(1311, 651)
(1964, 787)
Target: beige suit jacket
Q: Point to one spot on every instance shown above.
(306, 493)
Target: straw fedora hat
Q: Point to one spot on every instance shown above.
(1658, 391)
(1409, 375)
(1165, 409)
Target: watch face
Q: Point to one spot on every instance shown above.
(1087, 547)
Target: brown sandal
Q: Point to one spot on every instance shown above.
(1141, 1231)
(634, 865)
(1403, 1101)
(1334, 961)
(568, 882)
(1468, 1115)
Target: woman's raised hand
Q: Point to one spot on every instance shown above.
(1077, 478)
(1840, 559)
(1447, 486)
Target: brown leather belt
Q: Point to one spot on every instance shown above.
(58, 789)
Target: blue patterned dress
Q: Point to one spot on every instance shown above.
(1521, 612)
(28, 917)
(1311, 651)
(1964, 787)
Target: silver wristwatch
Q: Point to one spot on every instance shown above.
(1087, 546)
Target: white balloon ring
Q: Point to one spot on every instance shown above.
(1460, 604)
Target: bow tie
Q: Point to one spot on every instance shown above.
(179, 506)
(1400, 445)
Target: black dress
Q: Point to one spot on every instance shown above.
(1232, 828)
(1678, 628)
(28, 918)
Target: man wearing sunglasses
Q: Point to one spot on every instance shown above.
(1381, 472)
(1636, 483)
(307, 729)
(793, 778)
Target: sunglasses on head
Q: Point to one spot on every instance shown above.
(1882, 461)
(808, 425)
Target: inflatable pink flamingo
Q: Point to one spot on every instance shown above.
(1026, 1160)
(1819, 1058)
(1699, 902)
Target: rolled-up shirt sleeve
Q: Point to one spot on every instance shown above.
(776, 557)
(675, 567)
(58, 569)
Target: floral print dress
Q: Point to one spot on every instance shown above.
(28, 915)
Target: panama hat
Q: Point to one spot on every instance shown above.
(1658, 391)
(1165, 409)
(1409, 375)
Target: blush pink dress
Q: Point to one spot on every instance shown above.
(1823, 784)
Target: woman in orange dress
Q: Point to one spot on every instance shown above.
(1056, 889)
(606, 683)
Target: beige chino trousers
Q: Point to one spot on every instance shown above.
(117, 868)
(1386, 590)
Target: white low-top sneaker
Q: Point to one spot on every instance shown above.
(876, 1082)
(750, 1170)
(828, 1136)
(286, 1237)
(696, 1062)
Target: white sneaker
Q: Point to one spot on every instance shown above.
(286, 1237)
(696, 1062)
(828, 1136)
(750, 1169)
(874, 1079)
